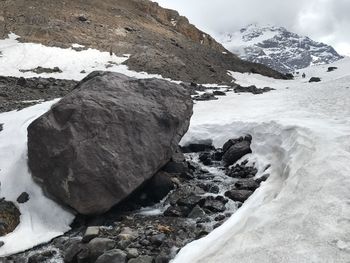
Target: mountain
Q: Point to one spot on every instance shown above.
(159, 40)
(278, 48)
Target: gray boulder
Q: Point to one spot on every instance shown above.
(236, 149)
(106, 138)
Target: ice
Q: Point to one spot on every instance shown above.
(302, 212)
(41, 219)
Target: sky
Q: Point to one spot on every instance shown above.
(327, 21)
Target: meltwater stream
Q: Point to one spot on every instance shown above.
(302, 212)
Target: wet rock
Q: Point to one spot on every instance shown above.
(157, 240)
(112, 256)
(220, 217)
(200, 146)
(219, 93)
(217, 155)
(189, 201)
(215, 204)
(196, 213)
(330, 69)
(262, 178)
(142, 259)
(177, 211)
(238, 195)
(23, 198)
(242, 171)
(42, 257)
(205, 158)
(69, 155)
(210, 188)
(90, 233)
(315, 79)
(247, 184)
(205, 97)
(9, 217)
(236, 152)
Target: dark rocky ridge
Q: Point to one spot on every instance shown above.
(159, 40)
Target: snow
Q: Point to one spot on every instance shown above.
(18, 56)
(41, 219)
(302, 212)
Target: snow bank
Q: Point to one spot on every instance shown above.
(41, 218)
(301, 213)
(16, 56)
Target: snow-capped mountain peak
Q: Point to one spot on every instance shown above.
(278, 48)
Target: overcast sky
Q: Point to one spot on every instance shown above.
(322, 20)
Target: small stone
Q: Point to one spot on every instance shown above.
(82, 18)
(177, 211)
(127, 233)
(219, 93)
(247, 184)
(315, 79)
(220, 217)
(197, 212)
(112, 256)
(98, 246)
(189, 201)
(142, 259)
(215, 204)
(23, 198)
(158, 239)
(132, 253)
(263, 178)
(162, 259)
(238, 195)
(42, 257)
(90, 233)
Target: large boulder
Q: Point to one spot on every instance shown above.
(106, 138)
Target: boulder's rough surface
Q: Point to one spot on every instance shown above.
(103, 140)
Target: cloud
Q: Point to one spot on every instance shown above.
(322, 20)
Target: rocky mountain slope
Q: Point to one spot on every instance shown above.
(159, 40)
(278, 48)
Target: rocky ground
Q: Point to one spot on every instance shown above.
(18, 93)
(159, 40)
(207, 190)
